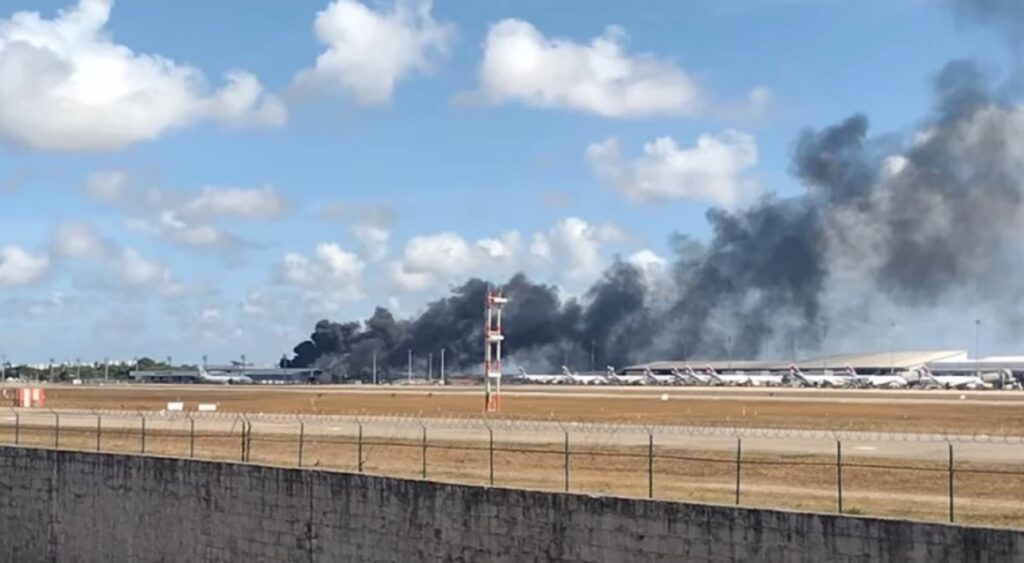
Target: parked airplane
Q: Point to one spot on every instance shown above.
(541, 379)
(656, 379)
(584, 379)
(698, 378)
(817, 380)
(625, 379)
(876, 381)
(726, 379)
(951, 381)
(206, 377)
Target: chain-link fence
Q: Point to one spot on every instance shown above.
(964, 478)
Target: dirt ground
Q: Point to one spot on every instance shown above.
(985, 494)
(826, 412)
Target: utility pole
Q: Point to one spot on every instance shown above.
(374, 367)
(410, 365)
(442, 367)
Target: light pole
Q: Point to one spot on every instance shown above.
(430, 367)
(410, 366)
(106, 369)
(3, 367)
(977, 351)
(51, 372)
(78, 369)
(892, 347)
(243, 365)
(374, 367)
(442, 367)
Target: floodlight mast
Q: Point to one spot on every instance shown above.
(494, 303)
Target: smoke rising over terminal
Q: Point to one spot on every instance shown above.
(882, 222)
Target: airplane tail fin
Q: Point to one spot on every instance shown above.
(565, 371)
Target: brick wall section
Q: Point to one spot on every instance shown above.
(71, 506)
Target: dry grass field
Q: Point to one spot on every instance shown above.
(766, 409)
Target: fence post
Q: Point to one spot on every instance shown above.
(99, 431)
(424, 452)
(566, 461)
(650, 466)
(739, 456)
(839, 474)
(359, 451)
(56, 431)
(191, 437)
(143, 417)
(241, 445)
(302, 437)
(951, 519)
(490, 432)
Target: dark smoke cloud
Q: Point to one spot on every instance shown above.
(1007, 14)
(883, 223)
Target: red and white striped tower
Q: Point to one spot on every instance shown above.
(493, 305)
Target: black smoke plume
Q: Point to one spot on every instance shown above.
(884, 224)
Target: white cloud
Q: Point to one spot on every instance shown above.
(331, 278)
(183, 218)
(65, 85)
(109, 186)
(369, 51)
(576, 247)
(409, 281)
(18, 267)
(374, 240)
(80, 240)
(602, 77)
(713, 171)
(246, 203)
(434, 260)
(135, 271)
(646, 260)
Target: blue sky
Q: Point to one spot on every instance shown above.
(157, 211)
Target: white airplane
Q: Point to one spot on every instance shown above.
(625, 379)
(951, 381)
(541, 379)
(205, 377)
(766, 379)
(817, 380)
(876, 381)
(584, 379)
(656, 379)
(727, 379)
(698, 378)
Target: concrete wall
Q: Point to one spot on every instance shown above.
(69, 506)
